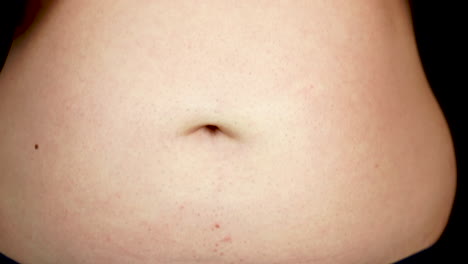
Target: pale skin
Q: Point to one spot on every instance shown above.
(220, 132)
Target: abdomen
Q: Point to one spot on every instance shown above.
(221, 133)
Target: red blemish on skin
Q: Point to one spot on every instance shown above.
(181, 207)
(227, 239)
(215, 226)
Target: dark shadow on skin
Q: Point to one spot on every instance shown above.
(10, 16)
(33, 12)
(17, 17)
(28, 13)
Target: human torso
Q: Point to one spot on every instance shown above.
(328, 141)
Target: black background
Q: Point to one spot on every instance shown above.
(439, 31)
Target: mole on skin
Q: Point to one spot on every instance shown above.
(36, 146)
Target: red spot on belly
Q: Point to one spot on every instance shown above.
(227, 239)
(215, 226)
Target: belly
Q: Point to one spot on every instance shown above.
(220, 133)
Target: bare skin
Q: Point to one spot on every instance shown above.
(220, 132)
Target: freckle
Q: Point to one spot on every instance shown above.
(36, 146)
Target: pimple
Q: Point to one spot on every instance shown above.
(215, 226)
